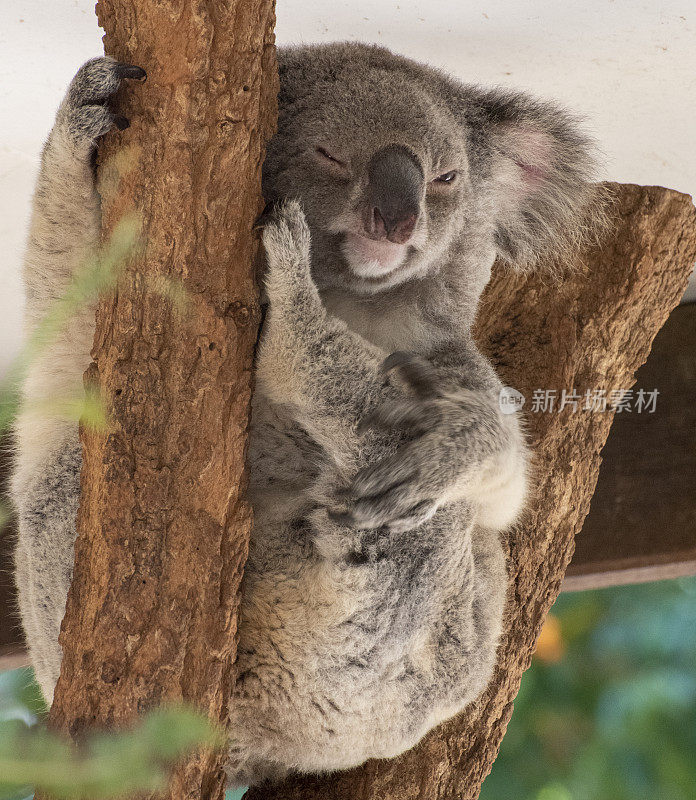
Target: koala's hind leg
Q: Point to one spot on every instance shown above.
(47, 509)
(63, 235)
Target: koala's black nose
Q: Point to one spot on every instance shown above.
(393, 194)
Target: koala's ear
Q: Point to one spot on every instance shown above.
(541, 171)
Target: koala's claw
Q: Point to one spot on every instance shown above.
(131, 72)
(267, 216)
(418, 374)
(415, 415)
(416, 516)
(85, 115)
(392, 509)
(409, 416)
(399, 492)
(100, 78)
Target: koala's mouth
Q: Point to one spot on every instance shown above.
(370, 258)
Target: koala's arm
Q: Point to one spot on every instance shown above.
(462, 446)
(308, 358)
(65, 220)
(63, 236)
(497, 482)
(332, 379)
(455, 442)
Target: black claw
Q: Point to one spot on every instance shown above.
(396, 359)
(266, 215)
(121, 123)
(419, 374)
(340, 517)
(131, 71)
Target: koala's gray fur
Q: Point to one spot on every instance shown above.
(375, 584)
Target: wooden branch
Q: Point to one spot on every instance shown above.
(592, 331)
(642, 521)
(603, 574)
(163, 525)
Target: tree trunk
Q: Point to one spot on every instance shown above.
(592, 331)
(163, 525)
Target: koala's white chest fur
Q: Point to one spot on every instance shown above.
(388, 325)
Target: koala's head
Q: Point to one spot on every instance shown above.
(401, 169)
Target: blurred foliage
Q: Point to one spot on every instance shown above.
(98, 275)
(104, 765)
(607, 711)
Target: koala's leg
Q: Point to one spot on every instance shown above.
(63, 236)
(46, 508)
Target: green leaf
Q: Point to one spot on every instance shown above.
(108, 765)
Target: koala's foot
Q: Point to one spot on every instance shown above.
(84, 115)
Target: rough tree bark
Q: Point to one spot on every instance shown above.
(592, 331)
(163, 524)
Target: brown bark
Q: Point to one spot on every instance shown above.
(591, 331)
(163, 525)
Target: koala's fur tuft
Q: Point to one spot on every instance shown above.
(382, 467)
(538, 145)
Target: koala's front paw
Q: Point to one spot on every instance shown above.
(286, 240)
(448, 434)
(84, 115)
(285, 231)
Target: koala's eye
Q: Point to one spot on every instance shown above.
(325, 154)
(447, 177)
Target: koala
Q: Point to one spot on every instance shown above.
(382, 469)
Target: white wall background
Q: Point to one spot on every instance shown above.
(628, 66)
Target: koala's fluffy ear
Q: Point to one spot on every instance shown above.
(541, 169)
